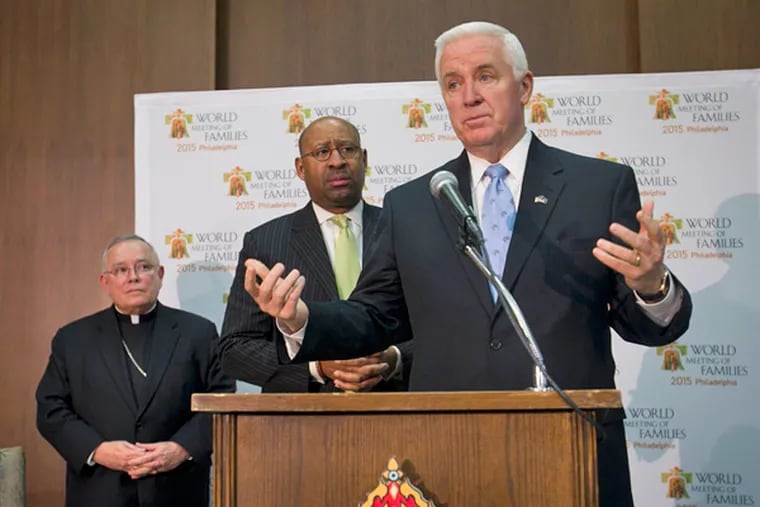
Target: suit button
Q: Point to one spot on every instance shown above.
(496, 344)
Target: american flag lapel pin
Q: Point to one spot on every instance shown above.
(540, 199)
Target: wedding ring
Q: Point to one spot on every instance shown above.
(637, 262)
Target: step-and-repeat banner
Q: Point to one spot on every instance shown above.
(212, 165)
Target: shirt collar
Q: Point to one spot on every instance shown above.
(354, 214)
(514, 160)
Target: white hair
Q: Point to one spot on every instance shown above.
(121, 239)
(513, 50)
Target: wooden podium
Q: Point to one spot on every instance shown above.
(461, 449)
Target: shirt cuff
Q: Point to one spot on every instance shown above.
(662, 312)
(90, 460)
(292, 341)
(314, 371)
(397, 372)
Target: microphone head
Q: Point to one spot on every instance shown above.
(440, 179)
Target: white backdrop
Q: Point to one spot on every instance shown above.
(212, 165)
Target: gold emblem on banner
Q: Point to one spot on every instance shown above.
(177, 122)
(663, 104)
(296, 117)
(415, 114)
(395, 490)
(669, 225)
(671, 356)
(236, 179)
(606, 156)
(177, 242)
(676, 480)
(539, 106)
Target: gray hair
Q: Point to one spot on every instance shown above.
(121, 239)
(513, 49)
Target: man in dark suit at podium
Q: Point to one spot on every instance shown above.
(567, 233)
(114, 399)
(332, 164)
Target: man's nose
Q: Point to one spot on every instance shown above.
(335, 159)
(471, 94)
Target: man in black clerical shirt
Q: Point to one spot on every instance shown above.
(114, 399)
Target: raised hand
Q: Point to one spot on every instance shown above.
(641, 262)
(277, 296)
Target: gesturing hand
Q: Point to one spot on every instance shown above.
(641, 263)
(277, 296)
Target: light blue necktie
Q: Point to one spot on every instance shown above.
(498, 218)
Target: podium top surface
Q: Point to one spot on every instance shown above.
(485, 401)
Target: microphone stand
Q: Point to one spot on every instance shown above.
(471, 245)
(514, 313)
(540, 375)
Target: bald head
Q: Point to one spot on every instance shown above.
(327, 120)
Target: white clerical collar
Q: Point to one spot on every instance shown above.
(134, 318)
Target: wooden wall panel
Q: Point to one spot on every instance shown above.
(681, 35)
(310, 42)
(68, 72)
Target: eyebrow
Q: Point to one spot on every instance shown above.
(484, 66)
(449, 74)
(337, 142)
(122, 263)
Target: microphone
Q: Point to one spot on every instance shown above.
(443, 182)
(446, 184)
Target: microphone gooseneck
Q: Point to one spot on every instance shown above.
(444, 183)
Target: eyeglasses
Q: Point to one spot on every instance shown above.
(140, 269)
(322, 153)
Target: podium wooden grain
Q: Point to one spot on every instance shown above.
(463, 449)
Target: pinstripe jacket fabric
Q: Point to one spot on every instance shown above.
(250, 339)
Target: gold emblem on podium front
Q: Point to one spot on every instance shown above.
(395, 490)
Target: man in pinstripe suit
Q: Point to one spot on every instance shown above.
(332, 164)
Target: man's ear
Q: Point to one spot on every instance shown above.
(299, 167)
(526, 87)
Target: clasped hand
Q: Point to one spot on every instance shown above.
(140, 460)
(361, 374)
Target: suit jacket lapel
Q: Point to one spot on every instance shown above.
(309, 245)
(541, 189)
(460, 167)
(112, 351)
(370, 219)
(165, 337)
